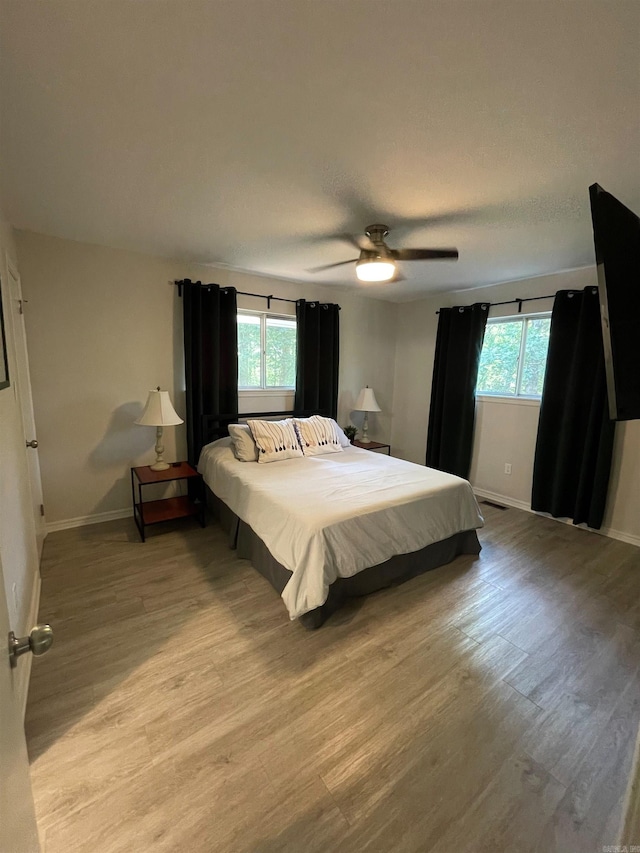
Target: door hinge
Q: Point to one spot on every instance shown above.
(21, 304)
(42, 509)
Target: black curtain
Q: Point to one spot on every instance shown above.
(453, 391)
(318, 355)
(575, 436)
(210, 357)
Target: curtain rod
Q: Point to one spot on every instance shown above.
(257, 295)
(513, 301)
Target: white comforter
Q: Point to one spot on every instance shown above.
(332, 516)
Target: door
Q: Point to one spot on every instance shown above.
(18, 831)
(23, 386)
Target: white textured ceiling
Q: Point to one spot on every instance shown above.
(253, 133)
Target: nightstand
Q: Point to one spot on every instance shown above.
(166, 509)
(372, 445)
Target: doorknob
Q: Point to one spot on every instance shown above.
(38, 642)
(33, 443)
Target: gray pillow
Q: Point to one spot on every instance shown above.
(244, 447)
(344, 441)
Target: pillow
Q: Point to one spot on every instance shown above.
(244, 447)
(342, 438)
(317, 436)
(275, 440)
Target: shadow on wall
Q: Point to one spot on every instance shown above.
(346, 403)
(123, 440)
(357, 419)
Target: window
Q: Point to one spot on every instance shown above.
(514, 356)
(266, 351)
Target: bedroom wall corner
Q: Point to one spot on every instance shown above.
(505, 430)
(417, 326)
(100, 334)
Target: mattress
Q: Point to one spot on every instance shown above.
(329, 517)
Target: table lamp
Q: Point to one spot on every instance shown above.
(159, 413)
(366, 403)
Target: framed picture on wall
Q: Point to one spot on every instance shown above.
(4, 363)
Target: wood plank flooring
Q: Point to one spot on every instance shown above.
(490, 705)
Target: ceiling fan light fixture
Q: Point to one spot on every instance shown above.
(375, 269)
(378, 262)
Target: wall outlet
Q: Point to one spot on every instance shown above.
(507, 467)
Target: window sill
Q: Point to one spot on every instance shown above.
(266, 392)
(517, 401)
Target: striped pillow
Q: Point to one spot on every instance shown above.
(275, 440)
(317, 435)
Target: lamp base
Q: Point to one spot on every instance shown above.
(365, 430)
(159, 464)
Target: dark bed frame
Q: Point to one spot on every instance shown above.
(393, 572)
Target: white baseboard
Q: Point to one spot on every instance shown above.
(604, 531)
(501, 499)
(84, 520)
(619, 534)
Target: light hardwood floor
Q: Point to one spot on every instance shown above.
(490, 705)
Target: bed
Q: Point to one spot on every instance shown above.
(327, 527)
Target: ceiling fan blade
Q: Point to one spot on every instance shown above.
(425, 254)
(332, 266)
(358, 243)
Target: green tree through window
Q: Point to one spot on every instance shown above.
(249, 349)
(514, 357)
(280, 353)
(266, 351)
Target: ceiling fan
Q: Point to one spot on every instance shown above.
(377, 262)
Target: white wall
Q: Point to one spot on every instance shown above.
(505, 431)
(105, 325)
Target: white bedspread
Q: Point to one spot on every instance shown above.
(332, 516)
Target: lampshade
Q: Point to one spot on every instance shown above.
(366, 401)
(159, 411)
(375, 269)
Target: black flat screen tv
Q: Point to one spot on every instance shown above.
(616, 233)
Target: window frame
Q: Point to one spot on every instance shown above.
(515, 397)
(263, 389)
